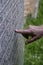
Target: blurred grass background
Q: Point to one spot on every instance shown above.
(33, 53)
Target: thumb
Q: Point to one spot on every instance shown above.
(32, 39)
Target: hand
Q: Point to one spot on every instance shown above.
(35, 32)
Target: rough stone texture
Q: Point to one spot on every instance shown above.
(11, 43)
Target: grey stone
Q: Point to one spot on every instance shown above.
(36, 4)
(11, 43)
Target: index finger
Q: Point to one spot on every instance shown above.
(27, 31)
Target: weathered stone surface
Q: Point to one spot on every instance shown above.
(11, 43)
(31, 7)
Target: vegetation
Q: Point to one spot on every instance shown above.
(33, 53)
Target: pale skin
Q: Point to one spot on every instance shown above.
(36, 32)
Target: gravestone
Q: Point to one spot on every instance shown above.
(36, 5)
(11, 43)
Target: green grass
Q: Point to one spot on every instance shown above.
(33, 53)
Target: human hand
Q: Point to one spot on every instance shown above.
(35, 32)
